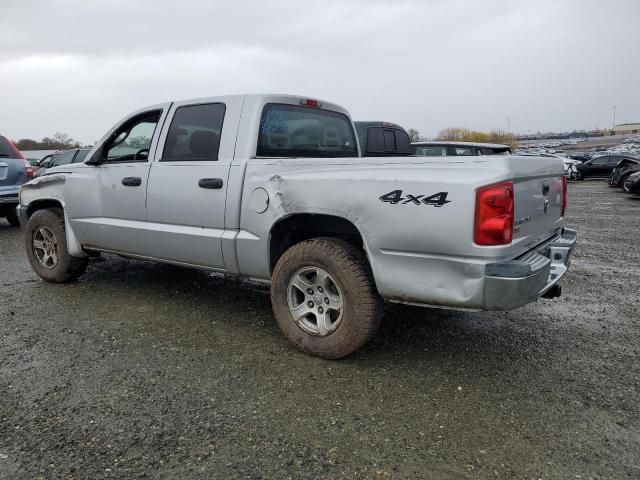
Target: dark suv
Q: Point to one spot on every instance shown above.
(625, 167)
(14, 171)
(382, 139)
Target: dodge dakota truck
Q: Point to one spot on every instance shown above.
(272, 188)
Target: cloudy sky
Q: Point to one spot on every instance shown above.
(79, 66)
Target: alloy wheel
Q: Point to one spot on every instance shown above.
(315, 301)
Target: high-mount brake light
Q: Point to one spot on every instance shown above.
(309, 102)
(494, 214)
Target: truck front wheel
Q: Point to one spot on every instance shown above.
(324, 297)
(46, 245)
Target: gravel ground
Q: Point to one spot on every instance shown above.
(142, 370)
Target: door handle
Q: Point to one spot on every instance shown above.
(211, 183)
(132, 181)
(545, 188)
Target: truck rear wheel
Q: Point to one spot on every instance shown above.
(324, 297)
(46, 245)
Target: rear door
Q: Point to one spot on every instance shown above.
(188, 181)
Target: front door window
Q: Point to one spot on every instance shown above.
(131, 142)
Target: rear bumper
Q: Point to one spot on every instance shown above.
(8, 200)
(515, 283)
(9, 196)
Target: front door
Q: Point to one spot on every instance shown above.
(188, 182)
(106, 202)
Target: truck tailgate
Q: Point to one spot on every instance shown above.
(538, 190)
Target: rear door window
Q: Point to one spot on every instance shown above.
(194, 134)
(64, 159)
(80, 156)
(298, 131)
(431, 151)
(464, 151)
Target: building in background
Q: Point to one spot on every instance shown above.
(626, 128)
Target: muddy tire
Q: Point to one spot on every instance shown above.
(46, 245)
(324, 297)
(12, 218)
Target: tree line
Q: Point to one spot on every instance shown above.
(457, 134)
(60, 141)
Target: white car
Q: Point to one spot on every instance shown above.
(570, 164)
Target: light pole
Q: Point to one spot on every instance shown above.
(614, 115)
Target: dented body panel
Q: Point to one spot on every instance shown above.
(415, 215)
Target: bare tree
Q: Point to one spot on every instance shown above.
(414, 135)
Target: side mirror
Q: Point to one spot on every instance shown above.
(45, 164)
(96, 159)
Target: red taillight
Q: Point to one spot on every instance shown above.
(29, 168)
(309, 102)
(494, 215)
(564, 196)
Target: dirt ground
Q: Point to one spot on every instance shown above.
(142, 370)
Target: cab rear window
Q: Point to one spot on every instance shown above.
(298, 131)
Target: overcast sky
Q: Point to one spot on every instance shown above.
(79, 66)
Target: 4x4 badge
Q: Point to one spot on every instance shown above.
(436, 200)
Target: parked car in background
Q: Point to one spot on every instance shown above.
(38, 163)
(625, 167)
(382, 139)
(45, 161)
(581, 156)
(452, 149)
(632, 184)
(75, 155)
(570, 164)
(598, 166)
(14, 171)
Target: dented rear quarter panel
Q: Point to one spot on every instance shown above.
(419, 253)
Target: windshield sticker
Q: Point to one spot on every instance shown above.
(274, 121)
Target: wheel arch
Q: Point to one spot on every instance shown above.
(73, 245)
(298, 227)
(42, 204)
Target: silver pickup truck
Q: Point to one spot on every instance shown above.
(272, 188)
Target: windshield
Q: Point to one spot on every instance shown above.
(297, 131)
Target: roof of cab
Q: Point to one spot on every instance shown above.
(257, 98)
